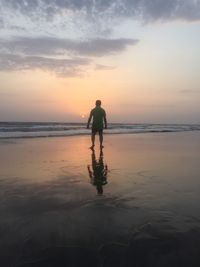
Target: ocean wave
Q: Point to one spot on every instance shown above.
(33, 129)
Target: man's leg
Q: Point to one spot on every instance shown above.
(101, 138)
(93, 138)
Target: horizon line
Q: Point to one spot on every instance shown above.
(71, 122)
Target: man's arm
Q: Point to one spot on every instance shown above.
(105, 120)
(89, 120)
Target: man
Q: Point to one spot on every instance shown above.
(99, 122)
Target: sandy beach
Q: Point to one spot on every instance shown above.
(134, 204)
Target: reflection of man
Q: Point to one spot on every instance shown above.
(98, 174)
(99, 118)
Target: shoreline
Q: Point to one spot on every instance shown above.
(105, 133)
(34, 130)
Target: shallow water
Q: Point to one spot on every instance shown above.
(135, 204)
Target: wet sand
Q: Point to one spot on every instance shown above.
(135, 204)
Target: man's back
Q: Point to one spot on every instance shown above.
(98, 114)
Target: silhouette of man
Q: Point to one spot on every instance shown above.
(98, 174)
(99, 122)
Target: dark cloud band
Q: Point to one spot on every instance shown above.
(56, 46)
(62, 67)
(40, 53)
(136, 9)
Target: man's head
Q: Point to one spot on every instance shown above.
(98, 103)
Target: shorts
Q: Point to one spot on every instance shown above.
(94, 131)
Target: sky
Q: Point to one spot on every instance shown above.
(140, 57)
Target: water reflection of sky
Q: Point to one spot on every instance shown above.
(151, 188)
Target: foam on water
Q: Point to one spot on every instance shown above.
(50, 129)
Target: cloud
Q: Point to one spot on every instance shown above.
(189, 91)
(6, 94)
(56, 46)
(24, 53)
(62, 67)
(76, 18)
(104, 67)
(147, 10)
(1, 23)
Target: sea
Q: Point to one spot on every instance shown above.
(53, 129)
